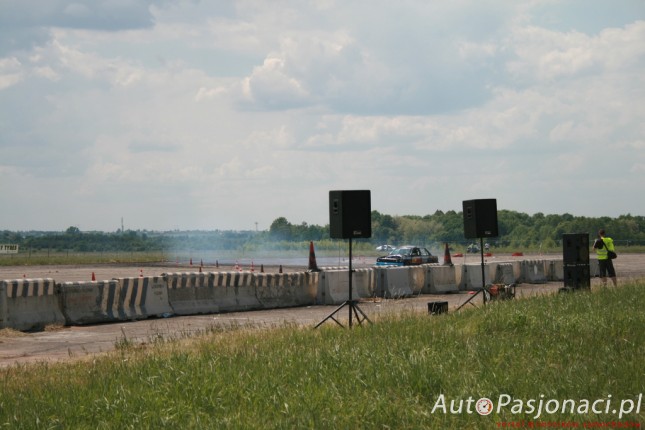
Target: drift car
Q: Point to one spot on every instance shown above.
(407, 256)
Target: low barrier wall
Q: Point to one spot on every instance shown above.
(393, 282)
(554, 270)
(91, 302)
(594, 268)
(504, 274)
(440, 280)
(283, 290)
(333, 287)
(29, 304)
(532, 272)
(3, 306)
(471, 277)
(141, 298)
(191, 293)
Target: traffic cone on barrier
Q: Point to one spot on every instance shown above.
(93, 277)
(237, 266)
(252, 266)
(141, 273)
(447, 261)
(280, 269)
(217, 264)
(261, 268)
(200, 269)
(313, 267)
(201, 263)
(191, 261)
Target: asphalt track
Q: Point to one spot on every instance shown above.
(79, 342)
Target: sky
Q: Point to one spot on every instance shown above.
(225, 115)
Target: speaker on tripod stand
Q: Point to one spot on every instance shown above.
(350, 217)
(480, 221)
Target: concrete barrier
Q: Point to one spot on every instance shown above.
(393, 282)
(3, 305)
(243, 287)
(91, 302)
(594, 268)
(333, 286)
(440, 280)
(532, 272)
(280, 290)
(140, 298)
(471, 277)
(29, 304)
(191, 293)
(554, 270)
(504, 274)
(417, 278)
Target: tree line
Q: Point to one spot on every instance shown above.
(515, 229)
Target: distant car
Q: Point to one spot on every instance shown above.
(384, 248)
(407, 256)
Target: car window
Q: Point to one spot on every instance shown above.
(425, 252)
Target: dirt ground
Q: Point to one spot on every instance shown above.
(69, 343)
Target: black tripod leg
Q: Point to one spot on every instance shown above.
(331, 316)
(356, 310)
(468, 301)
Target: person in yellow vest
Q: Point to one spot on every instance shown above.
(605, 264)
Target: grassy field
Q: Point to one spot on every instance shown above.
(396, 373)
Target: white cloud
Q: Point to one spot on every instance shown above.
(217, 115)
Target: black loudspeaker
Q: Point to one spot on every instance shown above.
(575, 248)
(350, 214)
(480, 218)
(577, 276)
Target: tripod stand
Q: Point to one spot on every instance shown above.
(484, 289)
(354, 310)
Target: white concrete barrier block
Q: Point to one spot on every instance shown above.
(91, 302)
(29, 304)
(393, 282)
(471, 277)
(143, 297)
(441, 280)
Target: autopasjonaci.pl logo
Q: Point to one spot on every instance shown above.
(538, 407)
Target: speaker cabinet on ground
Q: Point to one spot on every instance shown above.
(577, 276)
(480, 218)
(350, 214)
(575, 248)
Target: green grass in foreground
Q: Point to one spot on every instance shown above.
(386, 375)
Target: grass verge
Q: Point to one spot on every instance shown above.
(387, 375)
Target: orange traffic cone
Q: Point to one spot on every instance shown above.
(447, 261)
(252, 266)
(313, 267)
(200, 269)
(93, 277)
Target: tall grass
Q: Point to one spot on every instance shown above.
(386, 375)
